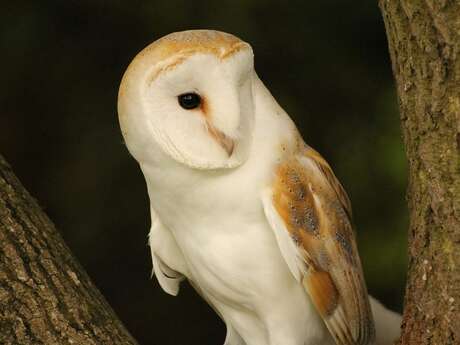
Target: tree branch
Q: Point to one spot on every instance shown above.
(45, 296)
(424, 44)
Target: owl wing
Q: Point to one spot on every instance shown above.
(310, 214)
(165, 255)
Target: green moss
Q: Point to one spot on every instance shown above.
(448, 249)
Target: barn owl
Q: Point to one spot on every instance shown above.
(253, 217)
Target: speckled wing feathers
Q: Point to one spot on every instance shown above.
(313, 227)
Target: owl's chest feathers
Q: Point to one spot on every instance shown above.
(218, 222)
(208, 204)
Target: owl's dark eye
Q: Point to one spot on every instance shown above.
(189, 100)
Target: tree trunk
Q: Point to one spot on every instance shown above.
(424, 44)
(45, 296)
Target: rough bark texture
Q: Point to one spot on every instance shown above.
(45, 296)
(424, 43)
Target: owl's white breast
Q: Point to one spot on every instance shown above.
(218, 222)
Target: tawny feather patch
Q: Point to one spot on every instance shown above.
(316, 213)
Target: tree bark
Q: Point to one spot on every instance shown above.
(424, 44)
(45, 296)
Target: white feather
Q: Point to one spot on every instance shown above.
(387, 323)
(164, 247)
(287, 246)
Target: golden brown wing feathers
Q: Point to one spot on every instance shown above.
(316, 212)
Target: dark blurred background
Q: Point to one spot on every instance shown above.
(325, 61)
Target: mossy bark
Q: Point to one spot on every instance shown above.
(45, 296)
(424, 44)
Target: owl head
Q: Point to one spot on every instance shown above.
(188, 97)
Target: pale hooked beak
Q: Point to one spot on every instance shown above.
(224, 141)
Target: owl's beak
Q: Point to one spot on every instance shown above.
(227, 143)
